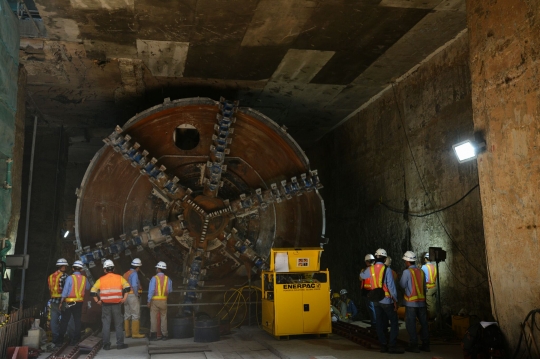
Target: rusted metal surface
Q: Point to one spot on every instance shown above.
(14, 326)
(89, 344)
(363, 336)
(211, 211)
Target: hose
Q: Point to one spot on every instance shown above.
(533, 325)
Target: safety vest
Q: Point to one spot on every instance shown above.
(417, 293)
(110, 288)
(366, 283)
(54, 284)
(432, 276)
(377, 278)
(126, 277)
(78, 286)
(161, 290)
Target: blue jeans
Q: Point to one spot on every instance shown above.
(55, 322)
(371, 311)
(385, 313)
(112, 312)
(411, 313)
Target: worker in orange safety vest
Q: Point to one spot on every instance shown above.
(110, 291)
(365, 286)
(414, 285)
(56, 283)
(73, 295)
(159, 289)
(430, 270)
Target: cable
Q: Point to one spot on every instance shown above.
(393, 209)
(457, 280)
(424, 186)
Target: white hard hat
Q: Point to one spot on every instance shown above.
(381, 253)
(108, 264)
(161, 265)
(136, 262)
(427, 255)
(343, 291)
(409, 256)
(369, 257)
(62, 262)
(77, 264)
(388, 261)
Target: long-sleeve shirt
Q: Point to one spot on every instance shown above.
(134, 283)
(152, 287)
(388, 280)
(69, 284)
(406, 283)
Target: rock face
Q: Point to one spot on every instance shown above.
(391, 163)
(504, 43)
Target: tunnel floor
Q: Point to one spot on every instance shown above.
(255, 343)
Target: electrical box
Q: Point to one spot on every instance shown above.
(296, 293)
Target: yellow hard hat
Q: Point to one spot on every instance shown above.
(335, 295)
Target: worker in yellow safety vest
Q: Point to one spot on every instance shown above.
(73, 295)
(414, 284)
(56, 283)
(110, 291)
(430, 271)
(132, 306)
(159, 289)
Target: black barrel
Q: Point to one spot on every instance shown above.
(181, 327)
(206, 330)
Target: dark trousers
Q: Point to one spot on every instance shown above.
(112, 312)
(385, 313)
(74, 311)
(411, 313)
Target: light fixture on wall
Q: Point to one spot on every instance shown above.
(468, 150)
(66, 233)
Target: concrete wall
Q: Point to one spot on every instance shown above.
(10, 145)
(505, 43)
(367, 160)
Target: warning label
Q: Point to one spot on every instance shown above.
(302, 262)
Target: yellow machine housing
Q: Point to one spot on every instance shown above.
(296, 293)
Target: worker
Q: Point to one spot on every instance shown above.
(56, 283)
(110, 291)
(335, 305)
(132, 306)
(350, 308)
(388, 263)
(430, 270)
(365, 286)
(159, 289)
(414, 284)
(386, 308)
(73, 292)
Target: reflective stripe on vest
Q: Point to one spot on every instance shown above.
(54, 284)
(417, 293)
(110, 288)
(161, 290)
(126, 277)
(77, 291)
(432, 277)
(376, 273)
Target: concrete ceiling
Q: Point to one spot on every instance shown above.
(307, 64)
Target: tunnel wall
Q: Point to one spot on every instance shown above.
(504, 42)
(367, 160)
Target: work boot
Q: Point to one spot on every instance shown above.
(127, 328)
(107, 346)
(395, 350)
(152, 337)
(384, 348)
(425, 348)
(413, 348)
(135, 330)
(121, 346)
(164, 337)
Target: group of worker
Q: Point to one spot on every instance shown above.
(419, 297)
(110, 291)
(343, 308)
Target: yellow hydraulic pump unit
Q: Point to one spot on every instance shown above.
(296, 293)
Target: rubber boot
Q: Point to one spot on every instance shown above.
(152, 337)
(127, 328)
(135, 330)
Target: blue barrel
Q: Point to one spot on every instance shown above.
(206, 330)
(181, 327)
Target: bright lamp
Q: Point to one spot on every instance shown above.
(467, 150)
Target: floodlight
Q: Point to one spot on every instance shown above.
(66, 234)
(467, 150)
